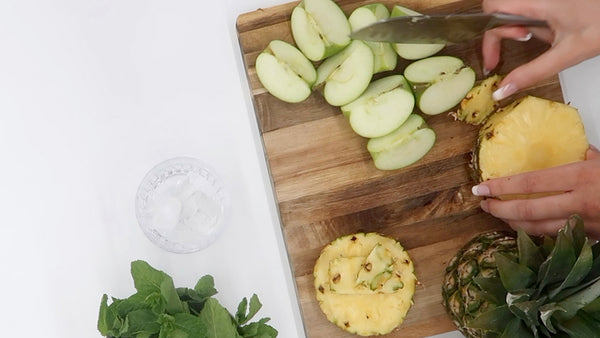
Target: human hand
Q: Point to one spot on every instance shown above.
(573, 32)
(578, 185)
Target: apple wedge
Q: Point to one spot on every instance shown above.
(285, 72)
(439, 82)
(385, 58)
(320, 28)
(404, 146)
(343, 77)
(382, 108)
(413, 51)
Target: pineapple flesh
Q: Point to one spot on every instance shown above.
(365, 283)
(502, 284)
(529, 134)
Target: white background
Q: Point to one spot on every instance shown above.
(93, 94)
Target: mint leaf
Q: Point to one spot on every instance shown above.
(176, 333)
(107, 318)
(258, 330)
(205, 287)
(241, 316)
(139, 301)
(192, 325)
(147, 280)
(140, 322)
(194, 298)
(217, 319)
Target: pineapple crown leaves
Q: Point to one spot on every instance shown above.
(551, 289)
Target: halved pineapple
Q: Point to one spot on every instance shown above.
(529, 134)
(365, 283)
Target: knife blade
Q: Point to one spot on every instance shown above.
(447, 29)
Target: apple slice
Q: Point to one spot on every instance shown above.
(413, 51)
(285, 72)
(320, 28)
(382, 108)
(439, 82)
(404, 146)
(343, 77)
(383, 52)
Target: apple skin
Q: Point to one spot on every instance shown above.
(320, 28)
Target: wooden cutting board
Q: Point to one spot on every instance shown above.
(326, 185)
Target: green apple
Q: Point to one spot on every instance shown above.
(404, 146)
(383, 52)
(382, 108)
(439, 82)
(413, 51)
(285, 72)
(343, 77)
(320, 28)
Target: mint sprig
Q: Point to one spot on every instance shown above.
(158, 310)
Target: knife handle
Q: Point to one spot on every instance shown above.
(504, 19)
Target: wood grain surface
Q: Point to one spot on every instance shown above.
(326, 185)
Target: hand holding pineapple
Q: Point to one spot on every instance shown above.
(574, 34)
(534, 162)
(580, 186)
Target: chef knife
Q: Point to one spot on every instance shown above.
(447, 29)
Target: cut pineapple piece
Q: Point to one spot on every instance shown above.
(377, 268)
(342, 275)
(360, 301)
(478, 104)
(529, 134)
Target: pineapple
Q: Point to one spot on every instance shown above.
(478, 104)
(529, 134)
(365, 283)
(505, 285)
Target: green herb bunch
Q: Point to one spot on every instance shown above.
(159, 310)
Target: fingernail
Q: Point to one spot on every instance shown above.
(504, 92)
(486, 72)
(480, 190)
(526, 37)
(484, 205)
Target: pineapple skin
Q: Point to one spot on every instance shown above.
(364, 311)
(460, 294)
(529, 134)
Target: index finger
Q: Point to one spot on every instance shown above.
(532, 8)
(557, 179)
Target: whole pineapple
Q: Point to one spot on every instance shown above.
(502, 284)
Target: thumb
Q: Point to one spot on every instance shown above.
(592, 153)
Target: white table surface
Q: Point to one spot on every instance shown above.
(92, 95)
